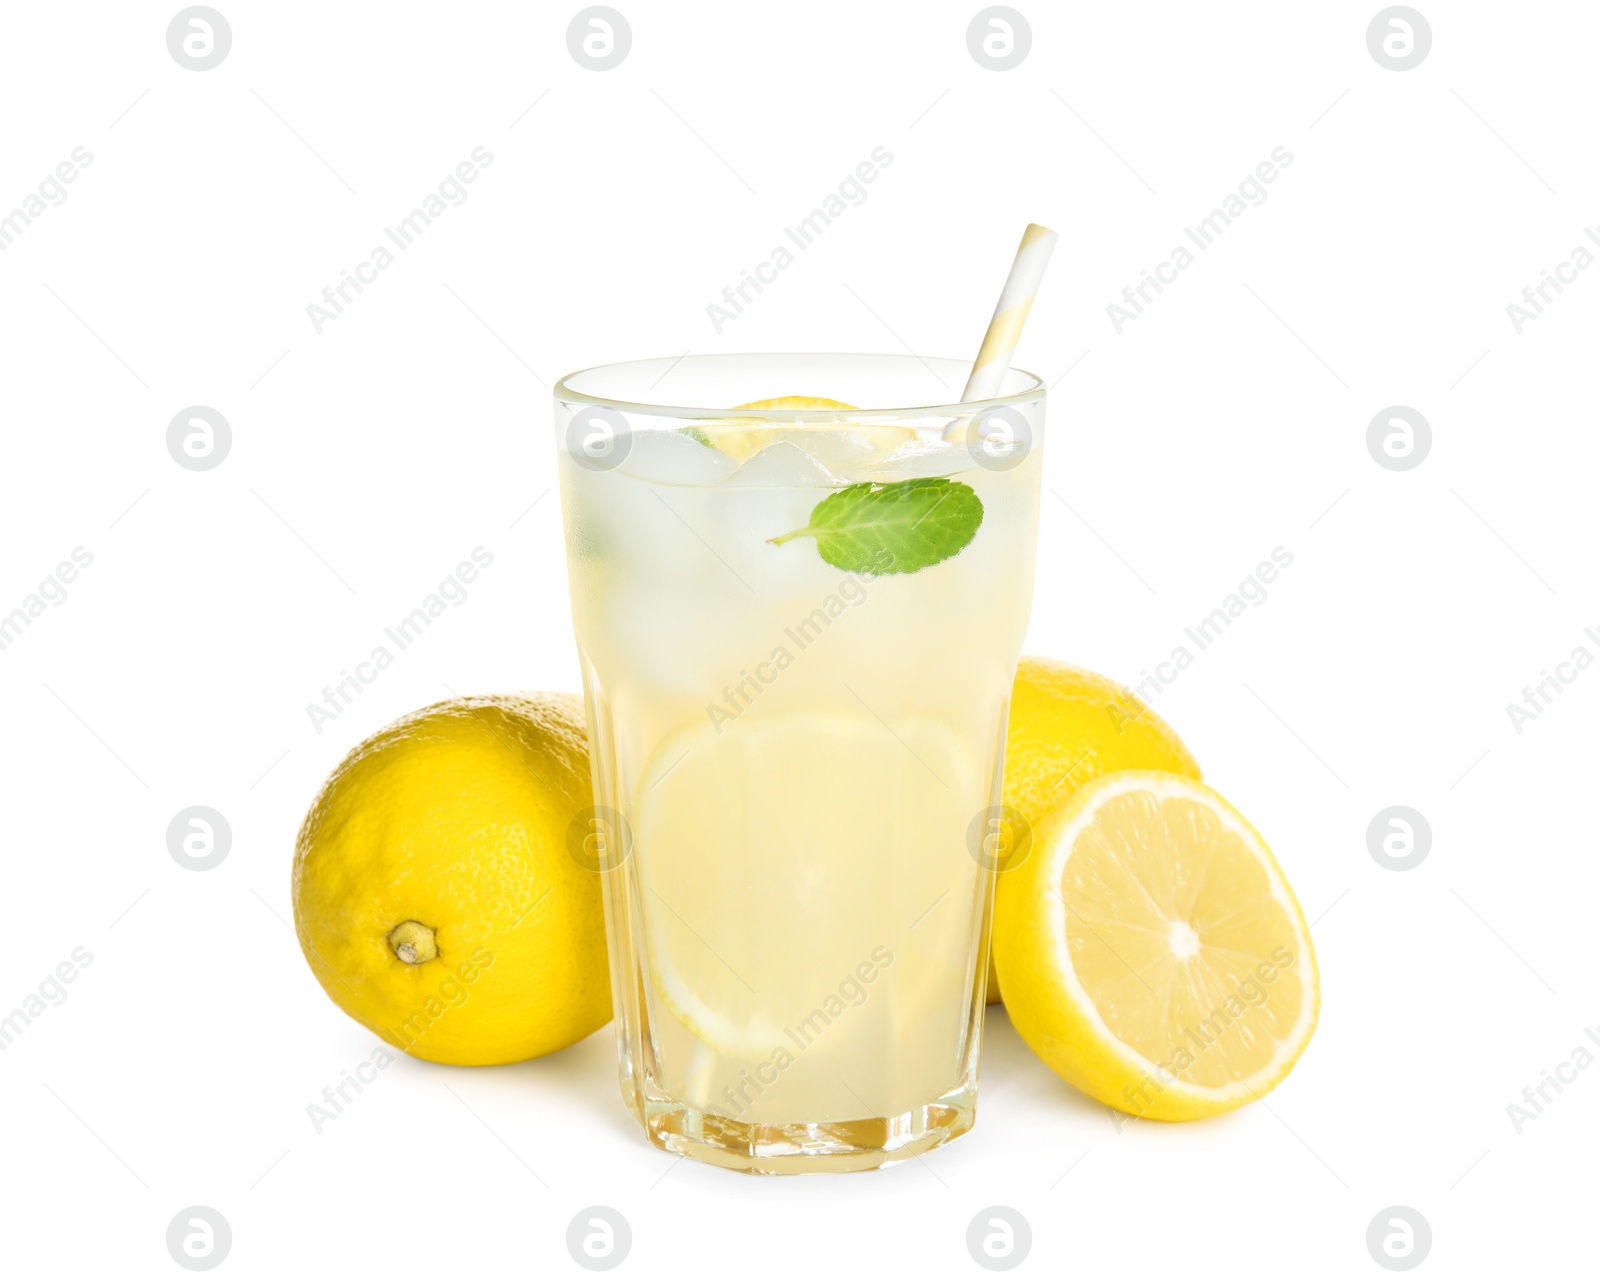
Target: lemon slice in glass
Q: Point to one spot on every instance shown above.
(833, 442)
(758, 900)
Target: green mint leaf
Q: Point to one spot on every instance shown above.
(893, 528)
(696, 434)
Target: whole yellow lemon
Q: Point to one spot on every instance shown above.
(434, 896)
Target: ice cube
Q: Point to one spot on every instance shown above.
(674, 457)
(919, 459)
(784, 465)
(835, 449)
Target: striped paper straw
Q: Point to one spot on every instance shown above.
(1010, 313)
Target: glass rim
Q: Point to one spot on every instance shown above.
(564, 392)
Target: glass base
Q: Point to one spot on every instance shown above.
(856, 1145)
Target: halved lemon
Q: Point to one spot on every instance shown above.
(1152, 952)
(830, 441)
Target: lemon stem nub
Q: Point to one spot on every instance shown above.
(413, 942)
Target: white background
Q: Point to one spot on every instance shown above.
(1229, 419)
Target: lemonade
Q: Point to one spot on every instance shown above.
(798, 624)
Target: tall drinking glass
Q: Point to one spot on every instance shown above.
(798, 622)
